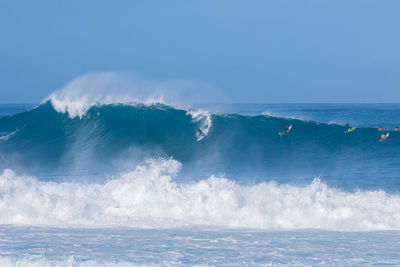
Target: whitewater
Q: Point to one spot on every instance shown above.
(148, 198)
(117, 181)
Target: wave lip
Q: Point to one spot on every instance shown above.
(148, 198)
(121, 87)
(102, 88)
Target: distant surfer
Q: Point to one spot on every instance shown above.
(200, 134)
(396, 129)
(287, 129)
(350, 129)
(380, 128)
(383, 137)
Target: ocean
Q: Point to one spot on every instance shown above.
(127, 184)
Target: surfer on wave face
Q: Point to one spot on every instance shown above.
(200, 134)
(287, 129)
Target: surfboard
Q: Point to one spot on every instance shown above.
(350, 130)
(200, 138)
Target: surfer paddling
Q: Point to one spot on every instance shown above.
(287, 129)
(383, 137)
(350, 129)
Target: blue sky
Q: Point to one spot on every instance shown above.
(253, 51)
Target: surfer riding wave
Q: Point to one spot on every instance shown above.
(200, 134)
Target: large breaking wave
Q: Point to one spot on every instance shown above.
(136, 152)
(112, 137)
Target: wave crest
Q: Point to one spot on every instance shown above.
(103, 88)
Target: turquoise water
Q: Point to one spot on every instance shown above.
(127, 184)
(116, 138)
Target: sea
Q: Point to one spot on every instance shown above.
(127, 184)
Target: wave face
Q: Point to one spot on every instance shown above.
(117, 137)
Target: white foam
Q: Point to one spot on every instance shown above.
(102, 88)
(148, 198)
(41, 261)
(202, 116)
(117, 87)
(7, 135)
(288, 117)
